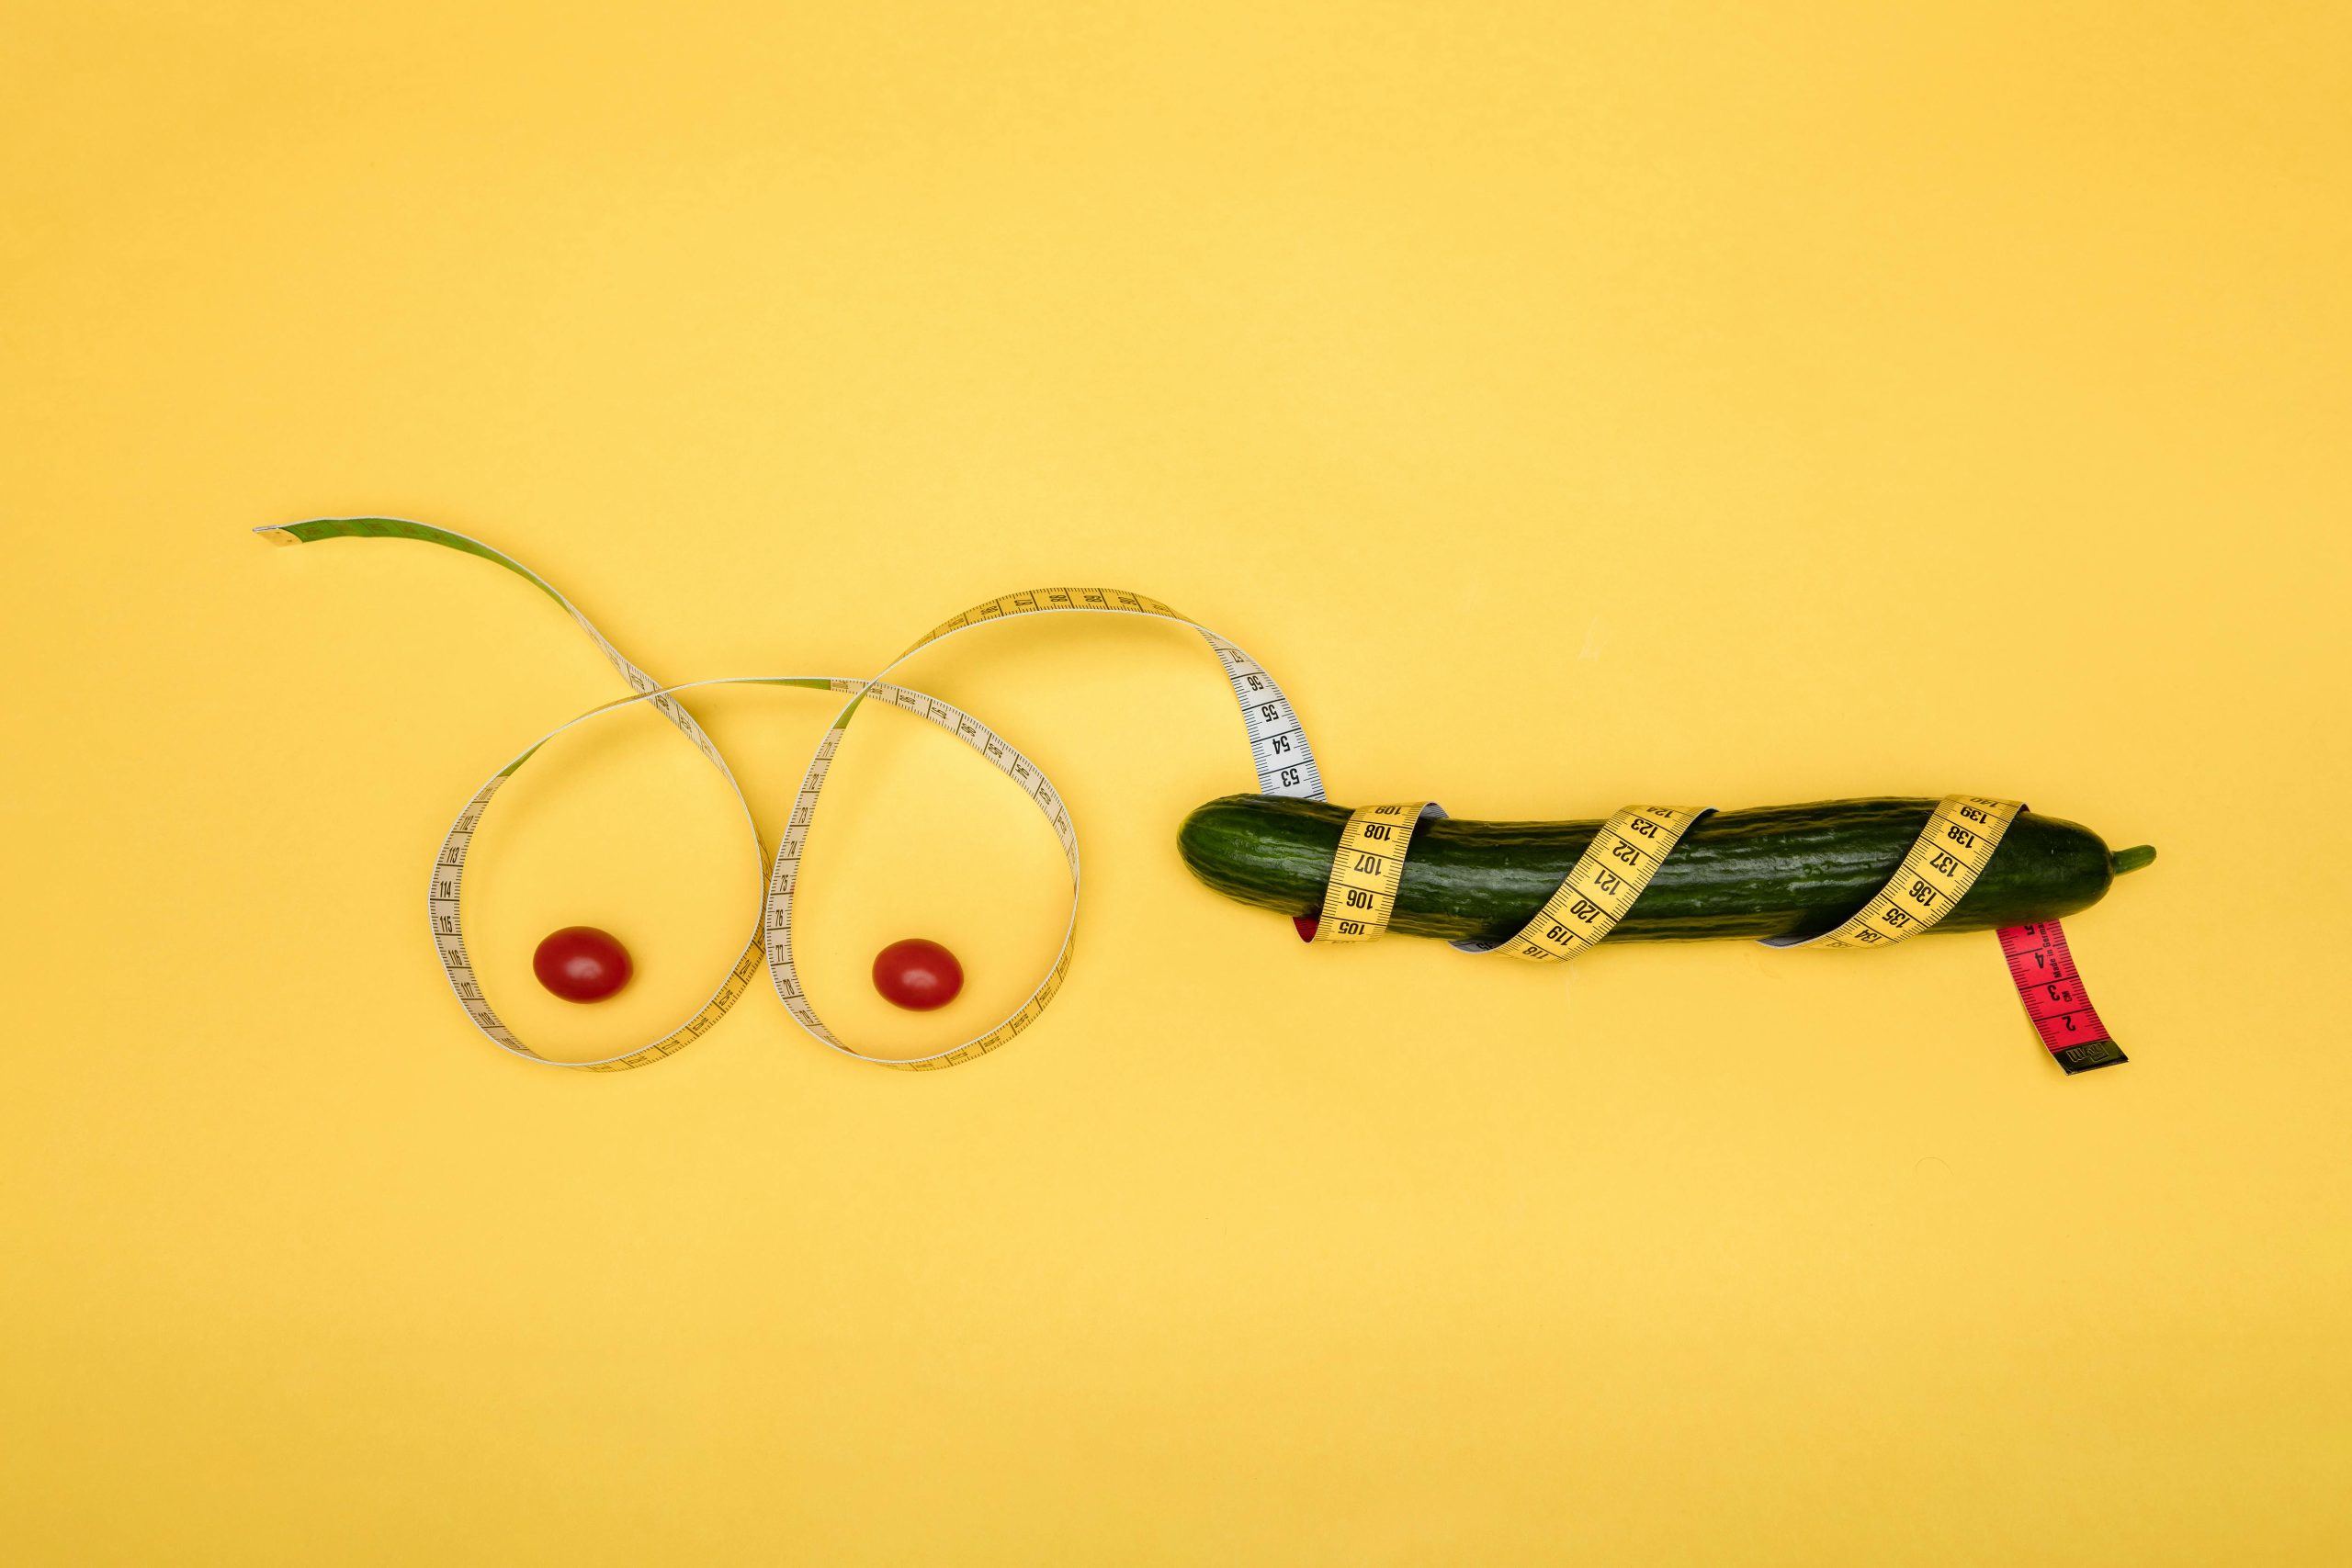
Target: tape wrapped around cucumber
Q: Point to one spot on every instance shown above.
(1783, 875)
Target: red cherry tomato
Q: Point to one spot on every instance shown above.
(581, 964)
(918, 973)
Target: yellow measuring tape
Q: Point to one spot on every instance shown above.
(1367, 871)
(1940, 866)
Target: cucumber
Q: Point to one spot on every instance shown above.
(1777, 871)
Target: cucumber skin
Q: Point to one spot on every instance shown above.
(1777, 871)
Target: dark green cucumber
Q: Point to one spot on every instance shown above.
(1778, 871)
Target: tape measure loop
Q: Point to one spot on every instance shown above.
(1283, 762)
(445, 912)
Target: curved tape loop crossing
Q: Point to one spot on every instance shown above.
(1278, 747)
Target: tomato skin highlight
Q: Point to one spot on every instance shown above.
(582, 963)
(918, 975)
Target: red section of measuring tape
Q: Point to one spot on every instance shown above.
(2055, 999)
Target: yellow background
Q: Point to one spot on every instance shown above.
(1724, 404)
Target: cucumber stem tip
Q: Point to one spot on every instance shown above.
(2131, 859)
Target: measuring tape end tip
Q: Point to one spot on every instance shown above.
(2087, 1058)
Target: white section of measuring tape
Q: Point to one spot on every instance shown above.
(1278, 747)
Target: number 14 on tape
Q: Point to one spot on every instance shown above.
(2055, 999)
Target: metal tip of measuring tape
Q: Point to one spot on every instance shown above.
(276, 533)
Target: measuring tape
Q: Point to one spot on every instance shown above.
(1598, 892)
(1285, 765)
(2060, 1009)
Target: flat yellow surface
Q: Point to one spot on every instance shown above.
(1774, 403)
